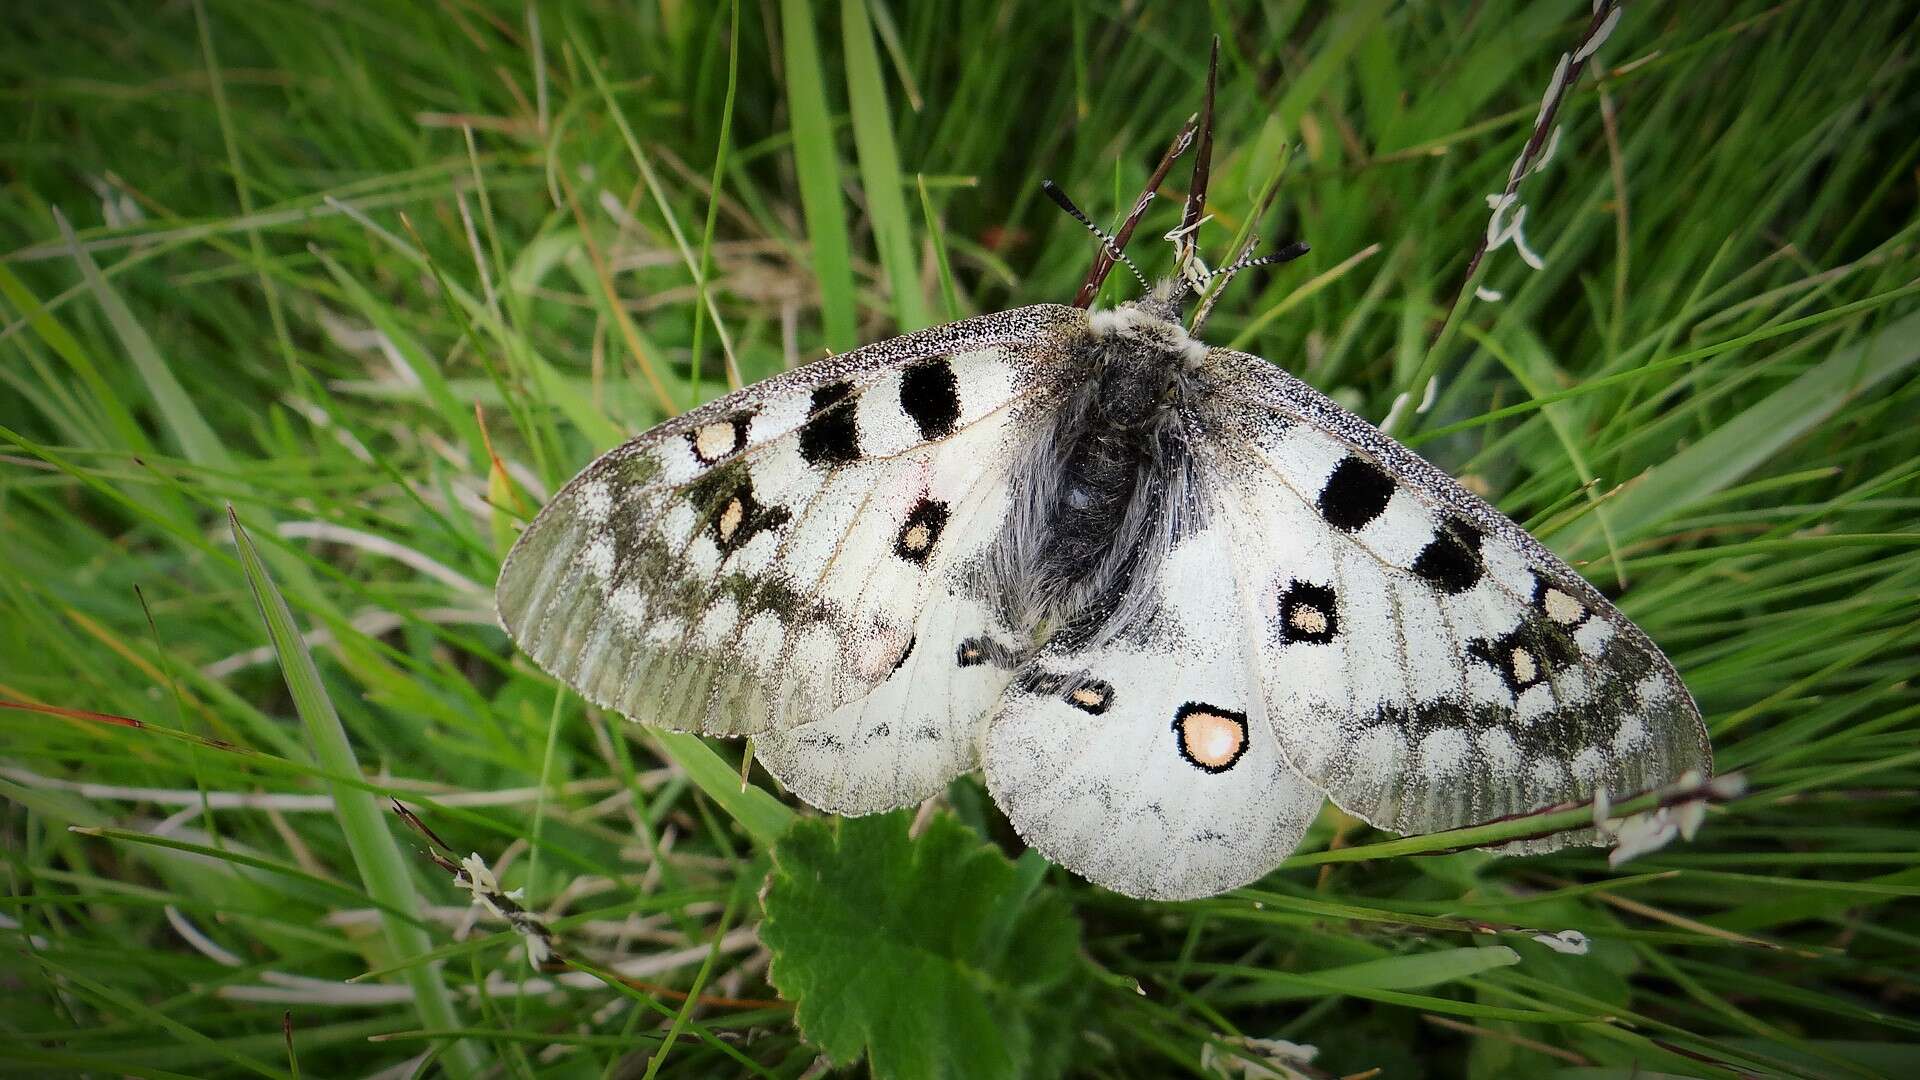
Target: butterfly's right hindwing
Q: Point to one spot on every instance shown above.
(765, 563)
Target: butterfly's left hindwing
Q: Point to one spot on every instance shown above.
(1422, 659)
(1146, 763)
(766, 563)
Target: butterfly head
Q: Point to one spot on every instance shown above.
(1142, 359)
(1167, 300)
(1191, 278)
(1165, 303)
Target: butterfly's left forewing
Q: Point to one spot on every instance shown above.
(768, 563)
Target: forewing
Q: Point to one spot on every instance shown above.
(1146, 764)
(1422, 658)
(769, 558)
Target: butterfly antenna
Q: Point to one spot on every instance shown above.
(1284, 255)
(1109, 246)
(1103, 263)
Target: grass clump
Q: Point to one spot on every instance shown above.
(378, 278)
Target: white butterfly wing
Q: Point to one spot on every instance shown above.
(784, 561)
(1146, 764)
(918, 728)
(1421, 658)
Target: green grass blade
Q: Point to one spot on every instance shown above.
(1738, 446)
(596, 209)
(382, 865)
(949, 295)
(61, 340)
(816, 164)
(764, 817)
(419, 363)
(880, 174)
(1416, 971)
(242, 185)
(190, 429)
(128, 1005)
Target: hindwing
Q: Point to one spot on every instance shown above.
(1146, 762)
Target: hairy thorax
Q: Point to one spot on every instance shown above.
(1106, 488)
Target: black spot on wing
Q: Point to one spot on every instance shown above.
(931, 395)
(975, 651)
(1090, 696)
(1451, 560)
(733, 516)
(1309, 613)
(1527, 655)
(721, 439)
(1093, 697)
(1560, 606)
(828, 438)
(1355, 494)
(921, 531)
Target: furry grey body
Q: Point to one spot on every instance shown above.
(1106, 488)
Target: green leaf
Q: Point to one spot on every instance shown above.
(934, 956)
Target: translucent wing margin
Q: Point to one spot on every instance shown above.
(1423, 659)
(762, 561)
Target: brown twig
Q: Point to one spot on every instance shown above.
(1568, 74)
(1104, 262)
(1196, 207)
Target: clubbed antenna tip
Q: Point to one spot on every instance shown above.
(1107, 241)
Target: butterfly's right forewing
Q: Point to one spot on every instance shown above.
(769, 562)
(1422, 659)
